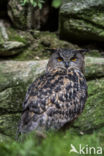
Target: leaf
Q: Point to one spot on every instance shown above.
(22, 4)
(41, 1)
(32, 2)
(56, 3)
(25, 1)
(40, 5)
(35, 4)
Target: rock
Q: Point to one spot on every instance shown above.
(4, 137)
(31, 44)
(9, 48)
(28, 17)
(9, 124)
(15, 78)
(92, 117)
(11, 41)
(41, 45)
(3, 30)
(94, 67)
(17, 14)
(82, 20)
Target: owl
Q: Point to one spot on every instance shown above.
(58, 96)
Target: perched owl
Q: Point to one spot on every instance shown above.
(58, 96)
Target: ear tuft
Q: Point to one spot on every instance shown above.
(83, 51)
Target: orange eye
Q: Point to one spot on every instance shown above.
(59, 59)
(73, 59)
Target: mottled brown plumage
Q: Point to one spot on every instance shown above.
(58, 96)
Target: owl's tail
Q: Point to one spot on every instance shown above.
(29, 122)
(25, 122)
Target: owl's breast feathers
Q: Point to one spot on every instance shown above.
(53, 100)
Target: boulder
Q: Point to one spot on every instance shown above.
(9, 48)
(17, 14)
(28, 45)
(92, 117)
(27, 16)
(82, 20)
(12, 41)
(8, 124)
(41, 45)
(94, 68)
(15, 78)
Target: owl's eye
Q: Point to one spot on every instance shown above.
(73, 59)
(59, 59)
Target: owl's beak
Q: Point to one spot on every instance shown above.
(66, 64)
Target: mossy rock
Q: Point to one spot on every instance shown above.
(82, 20)
(34, 45)
(92, 117)
(94, 67)
(94, 53)
(9, 123)
(14, 80)
(10, 48)
(12, 42)
(17, 14)
(41, 45)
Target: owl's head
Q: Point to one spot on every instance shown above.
(66, 58)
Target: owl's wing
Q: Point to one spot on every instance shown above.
(53, 100)
(38, 98)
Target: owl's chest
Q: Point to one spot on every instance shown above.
(59, 83)
(65, 81)
(56, 90)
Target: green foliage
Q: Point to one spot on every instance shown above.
(57, 144)
(35, 3)
(56, 3)
(39, 3)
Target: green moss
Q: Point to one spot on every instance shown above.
(79, 30)
(32, 55)
(92, 116)
(42, 42)
(1, 39)
(15, 36)
(94, 15)
(94, 53)
(9, 124)
(18, 16)
(81, 21)
(57, 144)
